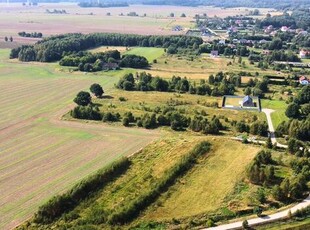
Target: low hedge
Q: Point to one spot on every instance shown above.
(61, 204)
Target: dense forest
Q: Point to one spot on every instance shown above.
(56, 47)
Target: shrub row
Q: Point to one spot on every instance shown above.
(61, 204)
(127, 213)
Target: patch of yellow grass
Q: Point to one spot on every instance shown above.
(121, 49)
(204, 188)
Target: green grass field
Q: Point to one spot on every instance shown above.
(40, 155)
(279, 106)
(149, 53)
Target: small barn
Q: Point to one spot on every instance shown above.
(247, 102)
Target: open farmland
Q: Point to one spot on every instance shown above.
(15, 18)
(40, 155)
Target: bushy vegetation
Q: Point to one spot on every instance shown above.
(86, 112)
(134, 61)
(256, 127)
(61, 204)
(262, 171)
(89, 62)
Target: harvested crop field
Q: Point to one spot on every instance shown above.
(151, 20)
(40, 154)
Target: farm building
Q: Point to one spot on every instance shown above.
(247, 102)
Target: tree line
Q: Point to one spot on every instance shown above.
(102, 5)
(222, 84)
(55, 47)
(30, 35)
(299, 113)
(64, 203)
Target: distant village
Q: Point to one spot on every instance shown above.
(234, 30)
(245, 36)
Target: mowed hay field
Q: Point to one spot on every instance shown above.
(204, 188)
(41, 155)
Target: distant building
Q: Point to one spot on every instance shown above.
(304, 81)
(269, 29)
(304, 53)
(247, 102)
(109, 66)
(214, 53)
(177, 28)
(266, 52)
(284, 28)
(243, 41)
(302, 33)
(263, 41)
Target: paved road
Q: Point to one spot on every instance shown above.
(265, 219)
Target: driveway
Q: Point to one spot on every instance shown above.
(271, 128)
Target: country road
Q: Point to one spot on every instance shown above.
(264, 219)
